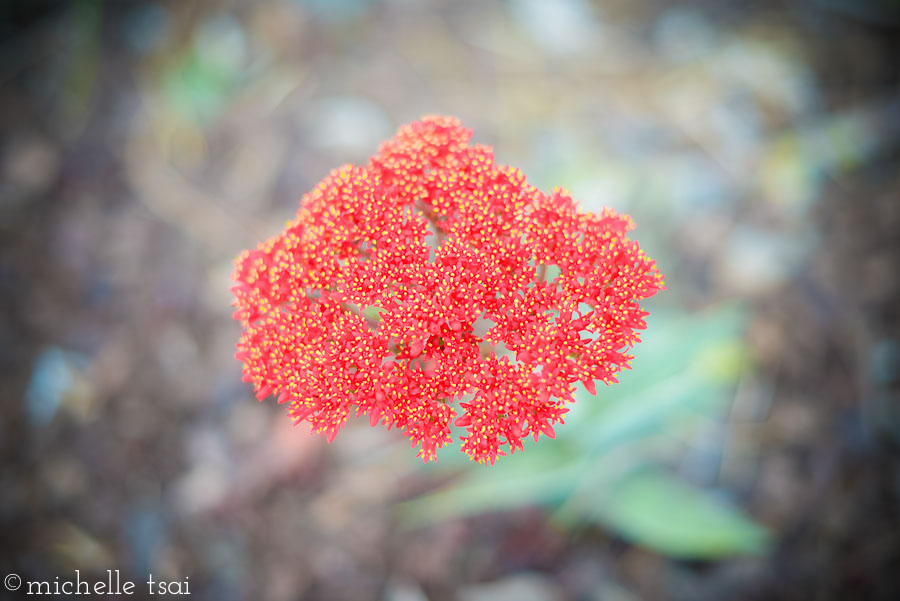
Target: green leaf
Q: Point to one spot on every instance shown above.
(673, 343)
(517, 482)
(654, 509)
(596, 470)
(682, 370)
(373, 313)
(647, 413)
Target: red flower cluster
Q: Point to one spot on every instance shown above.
(432, 276)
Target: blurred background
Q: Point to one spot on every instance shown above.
(752, 452)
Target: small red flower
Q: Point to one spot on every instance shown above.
(434, 276)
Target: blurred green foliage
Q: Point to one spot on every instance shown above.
(201, 81)
(608, 463)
